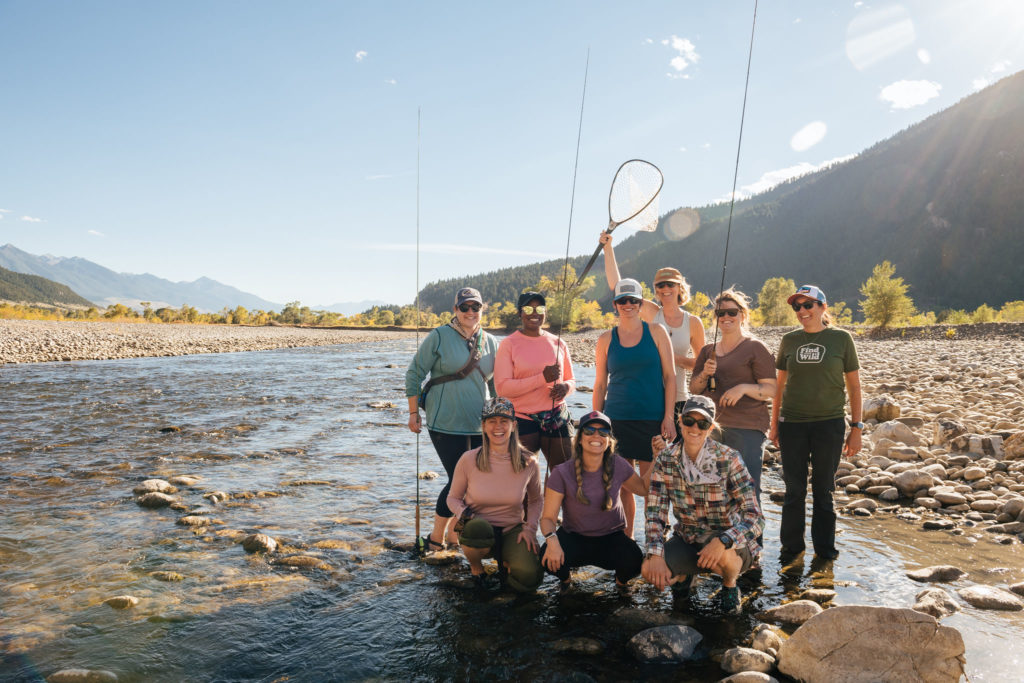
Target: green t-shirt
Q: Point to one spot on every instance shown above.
(816, 364)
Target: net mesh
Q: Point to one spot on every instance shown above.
(634, 195)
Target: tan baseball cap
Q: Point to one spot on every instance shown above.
(668, 275)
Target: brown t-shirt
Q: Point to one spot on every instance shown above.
(748, 362)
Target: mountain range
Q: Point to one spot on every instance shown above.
(941, 200)
(106, 287)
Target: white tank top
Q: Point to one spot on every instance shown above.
(680, 337)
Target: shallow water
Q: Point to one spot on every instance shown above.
(290, 435)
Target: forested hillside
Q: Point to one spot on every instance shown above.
(32, 289)
(941, 200)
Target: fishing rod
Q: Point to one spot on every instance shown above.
(420, 545)
(712, 383)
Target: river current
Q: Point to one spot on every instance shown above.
(291, 437)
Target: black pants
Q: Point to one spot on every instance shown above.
(450, 448)
(821, 445)
(615, 551)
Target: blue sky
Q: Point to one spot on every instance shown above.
(272, 146)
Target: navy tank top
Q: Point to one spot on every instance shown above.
(635, 388)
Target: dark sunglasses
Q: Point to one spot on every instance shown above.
(626, 300)
(530, 310)
(731, 312)
(661, 285)
(806, 305)
(690, 421)
(589, 430)
(466, 308)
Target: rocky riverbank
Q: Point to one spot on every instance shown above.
(35, 341)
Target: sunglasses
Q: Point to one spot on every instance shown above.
(628, 301)
(590, 431)
(690, 421)
(466, 308)
(662, 285)
(530, 310)
(806, 305)
(731, 312)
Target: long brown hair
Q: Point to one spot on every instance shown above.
(520, 456)
(607, 468)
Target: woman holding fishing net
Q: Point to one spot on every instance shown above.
(459, 358)
(671, 292)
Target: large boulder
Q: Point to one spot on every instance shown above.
(896, 431)
(881, 409)
(857, 643)
(665, 644)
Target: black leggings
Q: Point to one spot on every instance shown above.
(613, 551)
(450, 448)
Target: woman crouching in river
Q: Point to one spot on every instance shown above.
(586, 490)
(487, 493)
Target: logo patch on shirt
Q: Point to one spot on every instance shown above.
(810, 353)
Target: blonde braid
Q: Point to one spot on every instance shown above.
(609, 469)
(578, 461)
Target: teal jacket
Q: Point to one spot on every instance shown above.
(453, 407)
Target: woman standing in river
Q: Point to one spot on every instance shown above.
(532, 368)
(672, 293)
(744, 373)
(459, 358)
(808, 423)
(635, 383)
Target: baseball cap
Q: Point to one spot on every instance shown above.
(628, 287)
(498, 407)
(699, 404)
(527, 297)
(809, 291)
(596, 416)
(668, 275)
(468, 294)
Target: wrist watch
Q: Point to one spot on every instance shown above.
(726, 540)
(858, 425)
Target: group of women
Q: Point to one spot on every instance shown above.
(490, 407)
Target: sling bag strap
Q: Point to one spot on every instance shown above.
(472, 364)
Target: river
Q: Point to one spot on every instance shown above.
(290, 435)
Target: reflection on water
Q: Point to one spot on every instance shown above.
(290, 438)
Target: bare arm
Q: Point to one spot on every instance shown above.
(780, 385)
(638, 485)
(601, 371)
(611, 267)
(668, 380)
(853, 441)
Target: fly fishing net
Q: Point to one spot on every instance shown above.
(634, 195)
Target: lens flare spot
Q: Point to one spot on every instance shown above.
(877, 35)
(681, 224)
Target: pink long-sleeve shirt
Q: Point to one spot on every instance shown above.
(519, 370)
(497, 496)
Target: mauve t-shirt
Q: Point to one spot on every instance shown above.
(591, 520)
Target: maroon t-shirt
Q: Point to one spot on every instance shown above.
(748, 362)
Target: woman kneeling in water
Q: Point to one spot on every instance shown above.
(488, 489)
(718, 519)
(586, 490)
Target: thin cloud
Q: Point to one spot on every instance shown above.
(980, 83)
(1000, 66)
(781, 175)
(31, 219)
(909, 94)
(986, 80)
(380, 176)
(439, 248)
(924, 56)
(361, 55)
(391, 81)
(686, 55)
(682, 149)
(808, 136)
(96, 233)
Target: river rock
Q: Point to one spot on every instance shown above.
(890, 494)
(1013, 507)
(82, 676)
(580, 646)
(305, 561)
(904, 453)
(881, 409)
(185, 480)
(927, 502)
(973, 473)
(858, 643)
(428, 475)
(796, 612)
(738, 659)
(942, 573)
(909, 482)
(672, 643)
(634, 619)
(765, 639)
(936, 602)
(990, 597)
(259, 543)
(1007, 528)
(947, 496)
(896, 431)
(122, 601)
(862, 504)
(945, 430)
(167, 576)
(1013, 447)
(154, 500)
(1018, 588)
(818, 595)
(750, 677)
(193, 521)
(938, 524)
(154, 486)
(935, 469)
